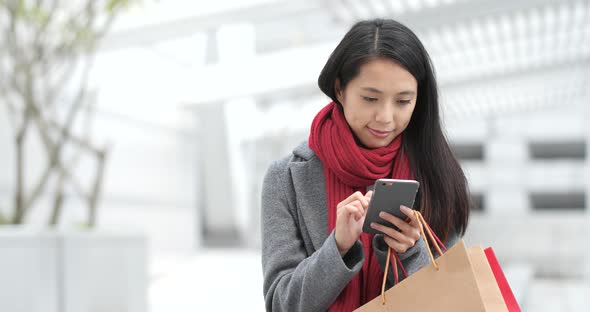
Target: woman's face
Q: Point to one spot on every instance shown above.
(379, 102)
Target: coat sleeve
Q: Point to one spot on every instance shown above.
(294, 280)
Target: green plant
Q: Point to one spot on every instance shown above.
(47, 51)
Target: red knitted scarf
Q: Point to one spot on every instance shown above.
(349, 168)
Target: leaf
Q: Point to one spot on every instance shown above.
(85, 35)
(34, 13)
(114, 5)
(21, 9)
(82, 226)
(38, 15)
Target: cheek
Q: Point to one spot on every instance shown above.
(357, 116)
(405, 119)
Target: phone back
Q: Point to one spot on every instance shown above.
(388, 196)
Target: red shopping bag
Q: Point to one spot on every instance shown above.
(505, 289)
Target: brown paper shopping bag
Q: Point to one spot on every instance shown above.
(459, 280)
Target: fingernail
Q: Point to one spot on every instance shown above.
(402, 207)
(372, 225)
(382, 214)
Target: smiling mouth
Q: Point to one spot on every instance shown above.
(378, 133)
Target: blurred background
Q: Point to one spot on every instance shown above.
(134, 137)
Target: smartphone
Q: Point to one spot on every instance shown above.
(388, 196)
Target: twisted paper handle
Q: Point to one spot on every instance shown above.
(435, 241)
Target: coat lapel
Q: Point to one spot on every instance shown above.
(310, 192)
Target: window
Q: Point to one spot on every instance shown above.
(477, 202)
(575, 149)
(575, 200)
(468, 151)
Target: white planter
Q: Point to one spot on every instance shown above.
(59, 271)
(28, 270)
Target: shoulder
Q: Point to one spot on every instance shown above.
(301, 154)
(292, 171)
(285, 174)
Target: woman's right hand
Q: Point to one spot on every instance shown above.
(349, 220)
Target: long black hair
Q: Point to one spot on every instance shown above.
(444, 199)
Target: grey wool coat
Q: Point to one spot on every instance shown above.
(302, 268)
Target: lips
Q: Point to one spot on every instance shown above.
(378, 133)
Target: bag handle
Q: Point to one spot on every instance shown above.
(424, 227)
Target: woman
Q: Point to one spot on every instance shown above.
(383, 123)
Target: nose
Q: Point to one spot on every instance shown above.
(384, 114)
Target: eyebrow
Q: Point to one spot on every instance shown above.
(370, 89)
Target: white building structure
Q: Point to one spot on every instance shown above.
(198, 98)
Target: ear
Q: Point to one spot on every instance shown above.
(338, 91)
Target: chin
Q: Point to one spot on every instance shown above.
(373, 143)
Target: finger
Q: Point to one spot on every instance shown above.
(410, 213)
(354, 211)
(411, 230)
(355, 196)
(413, 221)
(345, 210)
(398, 236)
(368, 197)
(402, 225)
(348, 213)
(397, 246)
(351, 209)
(362, 219)
(364, 201)
(346, 201)
(415, 235)
(359, 206)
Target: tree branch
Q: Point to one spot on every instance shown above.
(41, 69)
(40, 47)
(64, 134)
(59, 199)
(96, 189)
(54, 150)
(11, 35)
(19, 194)
(72, 179)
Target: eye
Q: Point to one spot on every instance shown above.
(405, 102)
(369, 99)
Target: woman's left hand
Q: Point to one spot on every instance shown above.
(408, 234)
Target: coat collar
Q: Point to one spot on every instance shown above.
(310, 191)
(303, 151)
